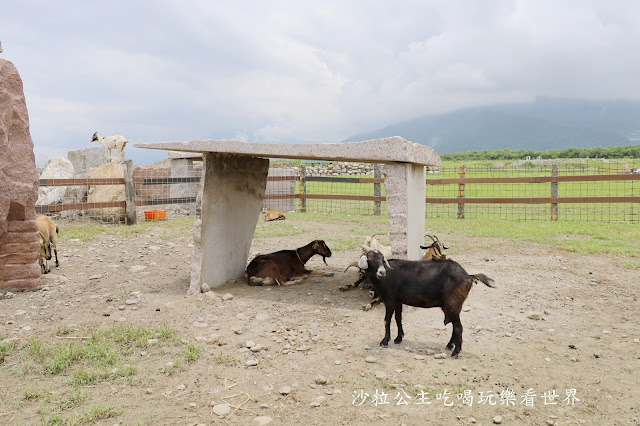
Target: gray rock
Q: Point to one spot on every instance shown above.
(251, 363)
(262, 420)
(497, 420)
(227, 296)
(370, 359)
(221, 409)
(285, 390)
(204, 287)
(534, 315)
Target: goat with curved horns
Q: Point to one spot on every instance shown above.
(284, 265)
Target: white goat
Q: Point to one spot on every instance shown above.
(110, 142)
(371, 243)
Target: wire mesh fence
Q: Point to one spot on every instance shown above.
(590, 191)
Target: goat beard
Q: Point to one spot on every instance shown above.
(324, 259)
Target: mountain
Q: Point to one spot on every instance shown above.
(546, 123)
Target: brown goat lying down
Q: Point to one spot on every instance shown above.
(423, 283)
(285, 265)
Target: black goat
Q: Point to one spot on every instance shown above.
(424, 283)
(284, 265)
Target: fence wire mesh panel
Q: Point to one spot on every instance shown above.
(167, 190)
(597, 192)
(336, 188)
(80, 196)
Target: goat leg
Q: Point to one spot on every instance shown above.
(398, 310)
(457, 334)
(387, 325)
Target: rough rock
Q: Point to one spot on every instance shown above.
(58, 168)
(221, 409)
(107, 193)
(19, 240)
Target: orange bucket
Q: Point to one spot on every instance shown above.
(155, 214)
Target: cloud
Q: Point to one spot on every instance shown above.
(303, 71)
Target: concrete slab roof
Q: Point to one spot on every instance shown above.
(385, 150)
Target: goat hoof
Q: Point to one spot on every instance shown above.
(343, 288)
(385, 342)
(450, 346)
(397, 340)
(454, 354)
(367, 307)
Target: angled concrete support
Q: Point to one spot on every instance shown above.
(405, 184)
(232, 191)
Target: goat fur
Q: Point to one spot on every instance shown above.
(48, 238)
(111, 142)
(285, 265)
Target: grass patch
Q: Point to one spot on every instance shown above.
(192, 353)
(33, 394)
(224, 359)
(276, 229)
(165, 230)
(579, 238)
(99, 412)
(74, 399)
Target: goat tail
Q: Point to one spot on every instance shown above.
(483, 279)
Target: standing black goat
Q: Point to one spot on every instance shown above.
(284, 265)
(425, 283)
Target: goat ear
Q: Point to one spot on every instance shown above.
(315, 246)
(362, 263)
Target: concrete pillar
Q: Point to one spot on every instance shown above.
(405, 184)
(233, 187)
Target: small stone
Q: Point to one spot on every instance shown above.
(131, 301)
(551, 422)
(122, 307)
(148, 391)
(262, 420)
(152, 341)
(419, 357)
(321, 380)
(95, 277)
(285, 390)
(466, 309)
(471, 420)
(227, 296)
(465, 368)
(251, 363)
(380, 375)
(370, 359)
(533, 315)
(249, 344)
(181, 387)
(596, 355)
(340, 347)
(262, 317)
(210, 295)
(303, 348)
(137, 268)
(548, 359)
(606, 332)
(256, 348)
(337, 362)
(204, 288)
(510, 363)
(636, 340)
(438, 356)
(497, 420)
(264, 405)
(192, 405)
(221, 409)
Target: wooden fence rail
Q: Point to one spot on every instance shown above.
(302, 190)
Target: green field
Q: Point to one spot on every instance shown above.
(591, 212)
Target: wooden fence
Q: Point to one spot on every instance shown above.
(374, 196)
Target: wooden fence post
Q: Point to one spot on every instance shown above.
(303, 189)
(377, 191)
(463, 173)
(130, 193)
(554, 192)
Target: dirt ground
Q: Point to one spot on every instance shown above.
(556, 322)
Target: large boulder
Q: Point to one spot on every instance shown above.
(107, 193)
(87, 158)
(19, 241)
(58, 168)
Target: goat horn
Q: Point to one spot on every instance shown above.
(430, 236)
(354, 264)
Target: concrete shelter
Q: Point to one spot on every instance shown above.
(235, 179)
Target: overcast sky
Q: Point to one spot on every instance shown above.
(301, 71)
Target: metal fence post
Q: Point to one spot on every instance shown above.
(554, 192)
(130, 193)
(303, 189)
(463, 173)
(377, 191)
